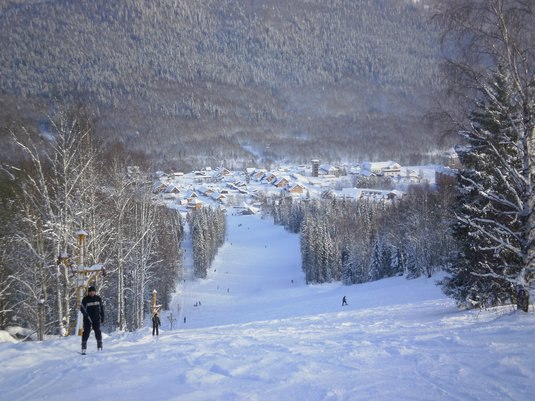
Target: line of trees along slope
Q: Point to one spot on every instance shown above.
(360, 241)
(208, 228)
(493, 77)
(67, 182)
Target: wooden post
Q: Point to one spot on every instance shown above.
(84, 276)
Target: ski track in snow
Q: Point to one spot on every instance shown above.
(259, 336)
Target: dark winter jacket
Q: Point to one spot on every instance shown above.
(93, 308)
(155, 321)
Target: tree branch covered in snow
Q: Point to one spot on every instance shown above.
(495, 222)
(65, 183)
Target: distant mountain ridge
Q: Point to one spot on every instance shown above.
(184, 80)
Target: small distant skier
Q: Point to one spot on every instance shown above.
(93, 311)
(344, 301)
(156, 324)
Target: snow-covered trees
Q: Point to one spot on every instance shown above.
(208, 228)
(323, 262)
(495, 223)
(7, 211)
(51, 206)
(145, 254)
(495, 213)
(360, 241)
(63, 184)
(419, 229)
(258, 70)
(169, 253)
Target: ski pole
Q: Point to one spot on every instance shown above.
(87, 314)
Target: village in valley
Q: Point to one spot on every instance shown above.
(245, 189)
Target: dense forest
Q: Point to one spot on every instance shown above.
(192, 81)
(360, 241)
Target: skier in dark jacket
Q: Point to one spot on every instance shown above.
(155, 323)
(93, 311)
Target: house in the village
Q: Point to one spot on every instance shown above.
(194, 203)
(223, 172)
(172, 189)
(238, 187)
(159, 186)
(296, 188)
(201, 176)
(370, 194)
(281, 182)
(329, 170)
(190, 195)
(269, 178)
(392, 170)
(258, 175)
(219, 197)
(233, 185)
(388, 168)
(206, 191)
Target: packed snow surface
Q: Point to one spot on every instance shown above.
(259, 332)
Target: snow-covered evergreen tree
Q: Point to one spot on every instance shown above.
(495, 223)
(494, 217)
(375, 263)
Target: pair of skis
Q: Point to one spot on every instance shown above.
(84, 350)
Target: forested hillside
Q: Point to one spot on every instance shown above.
(185, 80)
